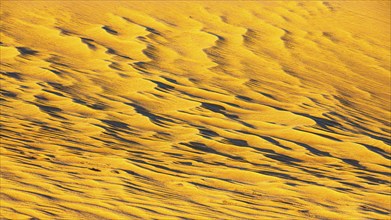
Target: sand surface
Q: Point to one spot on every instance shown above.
(195, 110)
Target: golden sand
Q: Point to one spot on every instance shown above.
(195, 110)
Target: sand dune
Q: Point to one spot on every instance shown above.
(195, 110)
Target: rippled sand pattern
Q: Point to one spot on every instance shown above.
(195, 110)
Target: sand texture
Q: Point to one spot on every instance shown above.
(195, 110)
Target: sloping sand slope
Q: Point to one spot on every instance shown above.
(195, 110)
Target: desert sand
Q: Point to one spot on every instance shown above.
(195, 110)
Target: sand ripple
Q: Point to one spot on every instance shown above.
(195, 110)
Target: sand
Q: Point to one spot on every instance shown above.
(195, 110)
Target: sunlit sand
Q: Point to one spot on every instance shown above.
(195, 110)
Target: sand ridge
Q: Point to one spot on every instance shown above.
(195, 110)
